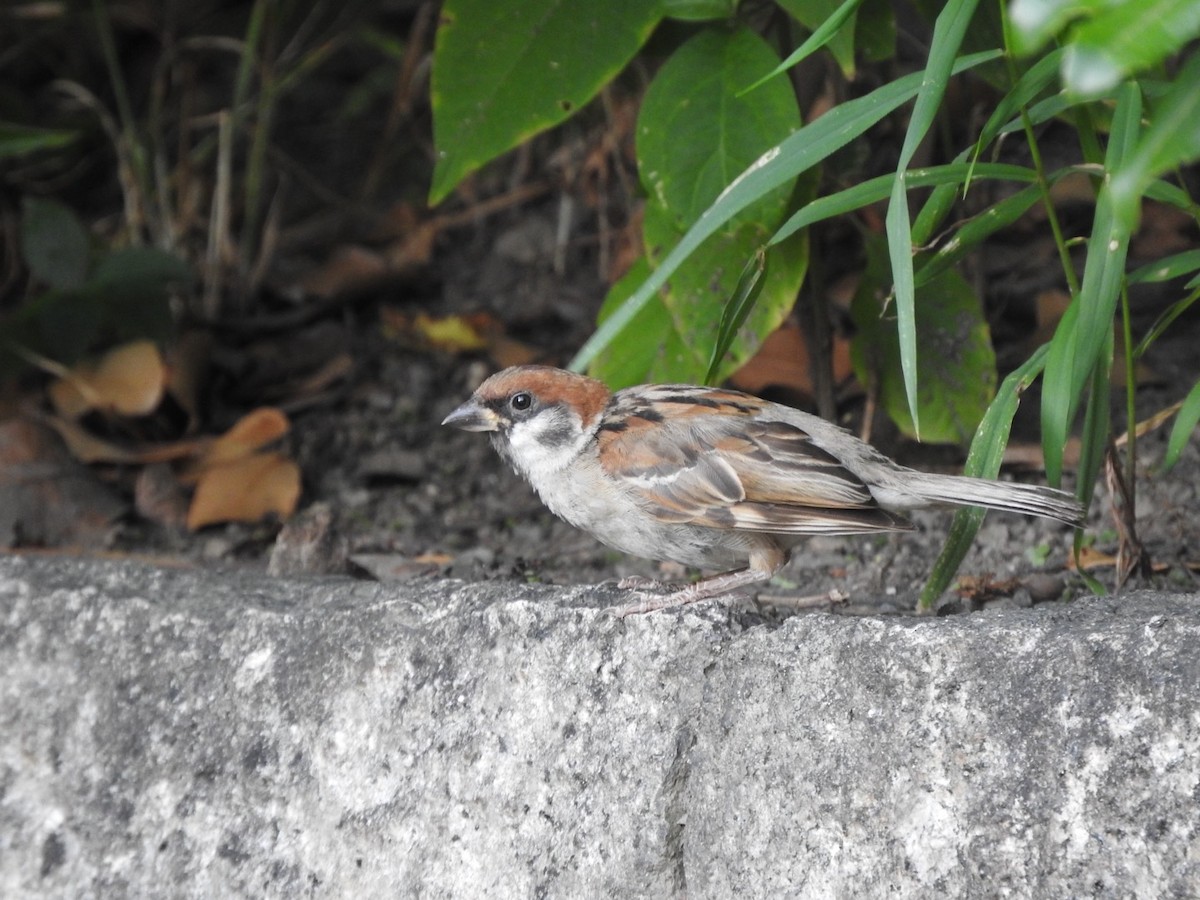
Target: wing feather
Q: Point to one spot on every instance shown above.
(719, 466)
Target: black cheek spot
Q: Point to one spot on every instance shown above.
(559, 435)
(615, 427)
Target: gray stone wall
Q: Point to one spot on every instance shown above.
(207, 734)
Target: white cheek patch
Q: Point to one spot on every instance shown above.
(547, 442)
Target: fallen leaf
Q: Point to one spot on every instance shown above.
(783, 361)
(250, 433)
(128, 380)
(1091, 558)
(245, 490)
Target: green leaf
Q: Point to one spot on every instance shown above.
(1166, 269)
(880, 188)
(831, 23)
(1086, 327)
(699, 10)
(699, 292)
(1185, 424)
(54, 243)
(133, 287)
(804, 149)
(504, 72)
(648, 345)
(958, 365)
(1127, 37)
(976, 231)
(18, 140)
(1036, 21)
(875, 31)
(983, 461)
(694, 135)
(65, 324)
(1172, 139)
(948, 33)
(736, 311)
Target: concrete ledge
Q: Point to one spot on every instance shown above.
(173, 733)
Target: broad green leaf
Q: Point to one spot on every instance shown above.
(65, 324)
(54, 243)
(958, 365)
(1082, 333)
(699, 10)
(133, 287)
(803, 150)
(1127, 37)
(983, 461)
(695, 134)
(700, 289)
(17, 140)
(875, 31)
(503, 72)
(1185, 424)
(948, 33)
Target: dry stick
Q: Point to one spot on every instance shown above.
(218, 229)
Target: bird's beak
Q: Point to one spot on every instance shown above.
(473, 417)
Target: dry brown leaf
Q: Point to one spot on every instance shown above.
(250, 433)
(128, 380)
(1091, 558)
(245, 490)
(783, 361)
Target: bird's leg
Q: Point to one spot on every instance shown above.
(766, 558)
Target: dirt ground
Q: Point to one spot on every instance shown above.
(390, 494)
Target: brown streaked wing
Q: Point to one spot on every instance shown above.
(780, 518)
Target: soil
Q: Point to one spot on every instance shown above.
(389, 493)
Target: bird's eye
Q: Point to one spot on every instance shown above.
(521, 402)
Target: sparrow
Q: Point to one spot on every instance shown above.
(711, 478)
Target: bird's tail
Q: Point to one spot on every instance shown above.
(1030, 499)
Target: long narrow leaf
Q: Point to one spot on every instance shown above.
(976, 231)
(749, 286)
(948, 33)
(815, 42)
(801, 151)
(880, 188)
(1081, 334)
(1185, 424)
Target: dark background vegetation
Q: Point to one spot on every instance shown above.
(227, 303)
